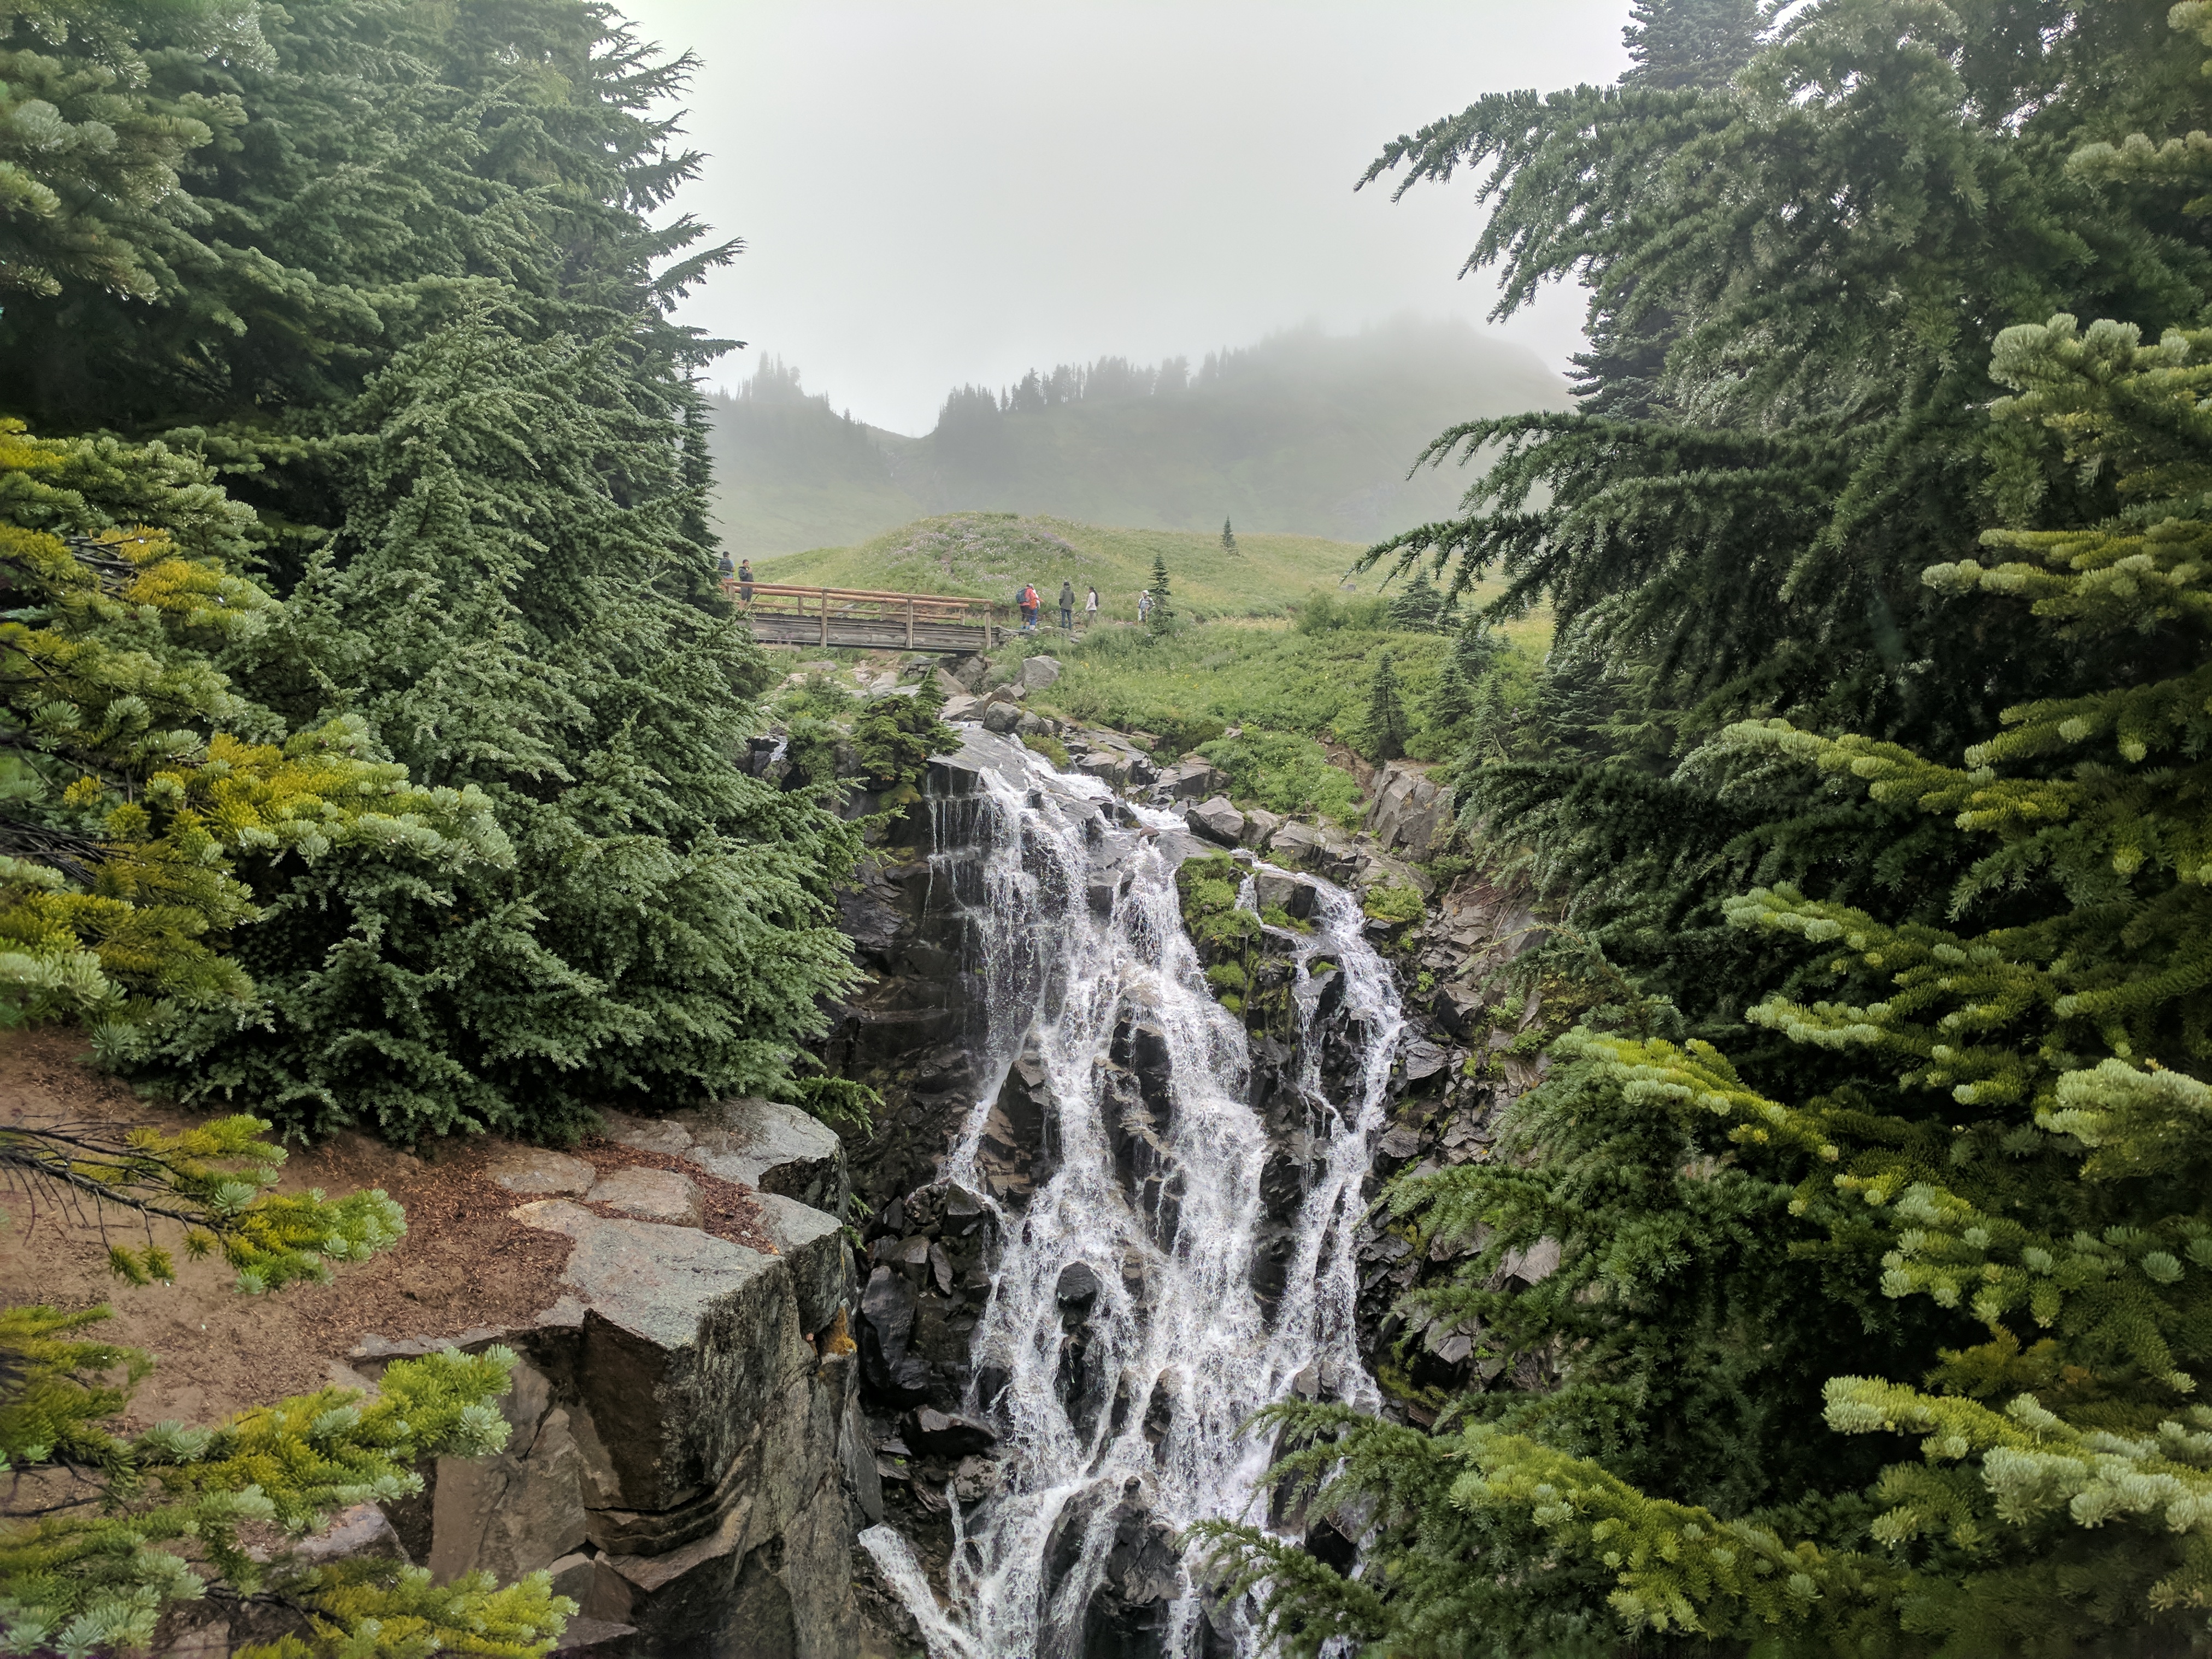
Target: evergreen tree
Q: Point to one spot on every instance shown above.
(137, 782)
(1876, 1323)
(1971, 1242)
(1162, 613)
(406, 292)
(1386, 713)
(1418, 609)
(1735, 526)
(1451, 704)
(1690, 43)
(1228, 537)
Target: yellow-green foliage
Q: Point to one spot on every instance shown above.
(2056, 1198)
(136, 768)
(146, 1520)
(214, 1178)
(1389, 901)
(381, 1610)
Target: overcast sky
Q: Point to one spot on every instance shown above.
(936, 192)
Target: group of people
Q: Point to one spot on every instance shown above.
(1031, 604)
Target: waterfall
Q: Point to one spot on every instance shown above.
(1123, 1344)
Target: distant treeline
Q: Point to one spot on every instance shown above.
(1304, 432)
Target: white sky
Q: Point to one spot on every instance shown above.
(934, 192)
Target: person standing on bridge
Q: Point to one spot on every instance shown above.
(745, 582)
(1067, 606)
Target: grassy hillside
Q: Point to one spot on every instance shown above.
(990, 555)
(1303, 434)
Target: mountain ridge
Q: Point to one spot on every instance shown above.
(1302, 434)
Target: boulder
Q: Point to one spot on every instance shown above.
(946, 684)
(533, 1170)
(647, 1134)
(683, 1336)
(1078, 1287)
(771, 1148)
(1409, 812)
(1195, 779)
(649, 1194)
(958, 708)
(1259, 826)
(967, 672)
(1217, 821)
(1305, 847)
(1270, 888)
(1036, 673)
(1001, 717)
(1111, 767)
(886, 1333)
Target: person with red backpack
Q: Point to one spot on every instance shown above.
(1030, 605)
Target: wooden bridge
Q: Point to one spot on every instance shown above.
(784, 615)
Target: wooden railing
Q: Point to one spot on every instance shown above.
(793, 615)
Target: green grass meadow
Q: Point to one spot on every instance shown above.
(990, 555)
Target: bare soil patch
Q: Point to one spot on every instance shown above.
(465, 1263)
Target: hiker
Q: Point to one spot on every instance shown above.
(1091, 610)
(724, 568)
(1067, 606)
(1144, 604)
(745, 582)
(1030, 605)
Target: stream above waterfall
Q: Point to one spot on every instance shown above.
(1183, 1258)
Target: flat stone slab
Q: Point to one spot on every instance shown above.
(766, 1146)
(649, 1194)
(647, 1134)
(534, 1170)
(654, 1280)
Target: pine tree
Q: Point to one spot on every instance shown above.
(143, 1522)
(1690, 43)
(1386, 713)
(1878, 1323)
(137, 782)
(1418, 609)
(1162, 618)
(1228, 537)
(1451, 703)
(1992, 1174)
(1732, 522)
(413, 303)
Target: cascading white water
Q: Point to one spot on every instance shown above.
(1178, 1350)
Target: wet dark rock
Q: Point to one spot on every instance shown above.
(1328, 992)
(890, 1370)
(1078, 1287)
(1271, 889)
(1422, 1060)
(942, 1434)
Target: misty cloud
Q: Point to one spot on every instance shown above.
(959, 191)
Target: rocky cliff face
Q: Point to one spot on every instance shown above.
(687, 1456)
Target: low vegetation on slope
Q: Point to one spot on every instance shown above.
(990, 555)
